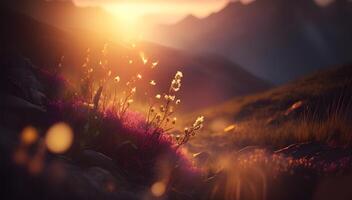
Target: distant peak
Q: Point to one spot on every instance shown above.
(239, 2)
(190, 17)
(233, 5)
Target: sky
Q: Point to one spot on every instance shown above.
(135, 16)
(162, 11)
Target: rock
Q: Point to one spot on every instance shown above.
(102, 179)
(83, 183)
(19, 79)
(90, 158)
(10, 101)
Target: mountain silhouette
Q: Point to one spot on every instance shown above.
(278, 40)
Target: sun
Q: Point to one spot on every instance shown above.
(128, 13)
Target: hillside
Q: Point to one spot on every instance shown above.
(84, 117)
(67, 16)
(316, 108)
(275, 40)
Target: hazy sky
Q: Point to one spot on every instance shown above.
(165, 10)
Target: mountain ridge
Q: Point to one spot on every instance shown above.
(276, 40)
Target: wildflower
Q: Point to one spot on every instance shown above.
(191, 131)
(171, 109)
(198, 124)
(60, 62)
(162, 108)
(152, 82)
(133, 90)
(178, 75)
(154, 64)
(89, 105)
(174, 120)
(117, 79)
(143, 57)
(178, 101)
(176, 82)
(158, 117)
(130, 61)
(139, 76)
(172, 97)
(158, 96)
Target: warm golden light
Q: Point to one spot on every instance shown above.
(29, 135)
(59, 138)
(135, 17)
(158, 188)
(172, 11)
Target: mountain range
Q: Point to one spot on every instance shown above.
(278, 40)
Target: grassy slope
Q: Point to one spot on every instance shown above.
(268, 119)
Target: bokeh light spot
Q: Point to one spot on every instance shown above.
(59, 138)
(158, 189)
(29, 135)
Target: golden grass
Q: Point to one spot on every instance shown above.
(314, 109)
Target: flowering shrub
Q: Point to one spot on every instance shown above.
(126, 142)
(101, 89)
(101, 118)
